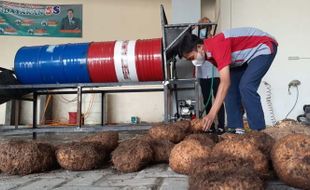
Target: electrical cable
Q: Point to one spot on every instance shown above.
(59, 122)
(269, 102)
(90, 106)
(210, 94)
(63, 99)
(45, 108)
(297, 96)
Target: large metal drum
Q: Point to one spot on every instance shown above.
(125, 61)
(52, 64)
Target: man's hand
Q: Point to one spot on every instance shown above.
(219, 98)
(207, 121)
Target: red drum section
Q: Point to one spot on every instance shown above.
(101, 62)
(124, 61)
(149, 60)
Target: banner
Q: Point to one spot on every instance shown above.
(22, 19)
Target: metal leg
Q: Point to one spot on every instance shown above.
(167, 101)
(176, 98)
(79, 106)
(197, 107)
(102, 108)
(42, 111)
(9, 113)
(16, 113)
(34, 119)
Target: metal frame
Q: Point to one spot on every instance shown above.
(79, 90)
(172, 34)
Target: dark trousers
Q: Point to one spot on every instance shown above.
(242, 92)
(205, 85)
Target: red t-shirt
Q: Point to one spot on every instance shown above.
(237, 46)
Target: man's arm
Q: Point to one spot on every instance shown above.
(220, 96)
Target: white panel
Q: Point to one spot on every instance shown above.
(224, 20)
(2, 114)
(184, 11)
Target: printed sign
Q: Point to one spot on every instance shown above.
(22, 19)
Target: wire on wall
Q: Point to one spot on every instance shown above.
(269, 102)
(297, 96)
(59, 122)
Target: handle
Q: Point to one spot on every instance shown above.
(301, 118)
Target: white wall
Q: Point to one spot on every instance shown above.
(288, 21)
(209, 9)
(134, 105)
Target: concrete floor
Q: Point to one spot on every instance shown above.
(156, 177)
(159, 177)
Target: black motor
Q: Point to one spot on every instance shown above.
(7, 77)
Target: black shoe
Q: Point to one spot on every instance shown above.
(220, 131)
(211, 130)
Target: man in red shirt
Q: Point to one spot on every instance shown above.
(242, 56)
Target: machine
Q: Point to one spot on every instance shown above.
(90, 67)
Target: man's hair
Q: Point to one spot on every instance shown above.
(188, 44)
(206, 20)
(70, 10)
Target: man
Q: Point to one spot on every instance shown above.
(209, 80)
(70, 22)
(242, 56)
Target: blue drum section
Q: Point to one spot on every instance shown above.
(52, 64)
(26, 68)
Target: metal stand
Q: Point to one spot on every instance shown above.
(169, 36)
(79, 106)
(34, 118)
(172, 36)
(102, 108)
(16, 113)
(79, 90)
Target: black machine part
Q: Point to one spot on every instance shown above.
(305, 118)
(186, 108)
(7, 77)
